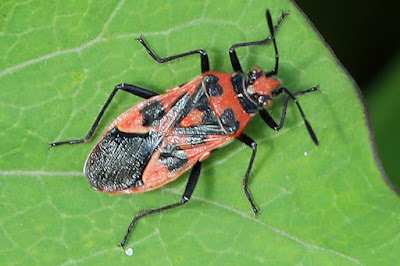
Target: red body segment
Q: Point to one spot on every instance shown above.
(229, 99)
(264, 85)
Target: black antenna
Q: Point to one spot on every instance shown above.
(271, 29)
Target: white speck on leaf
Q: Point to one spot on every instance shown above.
(129, 251)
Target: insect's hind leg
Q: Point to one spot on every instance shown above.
(232, 52)
(135, 90)
(205, 65)
(191, 184)
(253, 145)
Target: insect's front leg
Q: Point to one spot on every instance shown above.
(135, 90)
(205, 65)
(232, 52)
(271, 122)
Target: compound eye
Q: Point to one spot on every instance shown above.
(256, 70)
(267, 103)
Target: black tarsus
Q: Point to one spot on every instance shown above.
(135, 90)
(270, 121)
(190, 186)
(253, 145)
(232, 53)
(205, 65)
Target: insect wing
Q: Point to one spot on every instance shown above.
(175, 157)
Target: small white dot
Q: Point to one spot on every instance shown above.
(305, 153)
(129, 251)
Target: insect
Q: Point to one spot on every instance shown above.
(156, 141)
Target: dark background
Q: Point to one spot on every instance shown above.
(364, 35)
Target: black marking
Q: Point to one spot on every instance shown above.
(228, 121)
(152, 113)
(209, 117)
(211, 85)
(183, 105)
(119, 159)
(239, 87)
(203, 103)
(194, 140)
(197, 101)
(173, 157)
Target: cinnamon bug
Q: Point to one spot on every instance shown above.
(158, 140)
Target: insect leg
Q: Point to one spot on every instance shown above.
(191, 184)
(253, 145)
(205, 66)
(135, 90)
(271, 122)
(232, 53)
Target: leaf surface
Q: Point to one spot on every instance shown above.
(59, 62)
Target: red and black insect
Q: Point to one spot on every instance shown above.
(156, 141)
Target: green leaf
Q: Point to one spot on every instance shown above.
(59, 62)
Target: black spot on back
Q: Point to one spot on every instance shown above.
(228, 121)
(211, 85)
(152, 113)
(239, 87)
(119, 159)
(173, 157)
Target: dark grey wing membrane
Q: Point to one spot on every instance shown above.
(119, 159)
